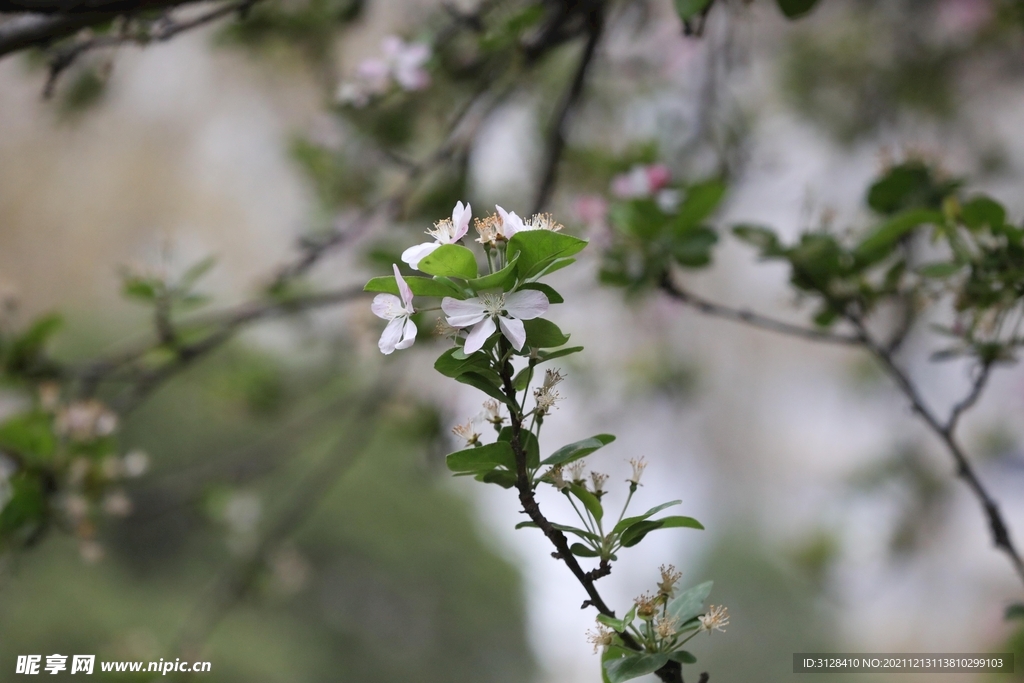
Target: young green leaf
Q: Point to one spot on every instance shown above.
(690, 603)
(528, 442)
(420, 286)
(579, 449)
(633, 666)
(538, 248)
(589, 500)
(542, 333)
(486, 385)
(482, 459)
(629, 521)
(701, 201)
(551, 355)
(580, 550)
(504, 278)
(882, 239)
(635, 533)
(450, 260)
(688, 9)
(794, 9)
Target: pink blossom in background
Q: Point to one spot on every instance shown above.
(402, 64)
(963, 18)
(406, 61)
(640, 182)
(591, 209)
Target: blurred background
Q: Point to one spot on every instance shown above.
(296, 521)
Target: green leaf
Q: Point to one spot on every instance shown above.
(538, 248)
(551, 355)
(27, 348)
(503, 478)
(940, 270)
(687, 9)
(542, 333)
(982, 211)
(701, 201)
(683, 657)
(633, 666)
(420, 286)
(482, 458)
(555, 265)
(26, 507)
(621, 526)
(30, 435)
(589, 500)
(636, 532)
(503, 278)
(690, 603)
(579, 449)
(763, 238)
(528, 442)
(553, 296)
(580, 550)
(450, 260)
(794, 9)
(1014, 611)
(693, 247)
(639, 217)
(583, 534)
(481, 382)
(143, 289)
(196, 271)
(611, 622)
(882, 239)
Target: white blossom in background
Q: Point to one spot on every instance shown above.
(135, 463)
(402, 64)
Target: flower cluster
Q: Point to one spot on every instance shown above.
(478, 309)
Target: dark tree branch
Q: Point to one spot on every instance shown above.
(672, 671)
(740, 315)
(226, 325)
(570, 100)
(946, 433)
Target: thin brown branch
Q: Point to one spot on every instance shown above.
(225, 323)
(946, 433)
(741, 315)
(556, 140)
(160, 30)
(977, 387)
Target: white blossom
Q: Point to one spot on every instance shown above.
(481, 312)
(400, 332)
(447, 231)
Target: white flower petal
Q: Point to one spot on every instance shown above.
(386, 306)
(408, 335)
(514, 331)
(460, 219)
(404, 290)
(391, 335)
(510, 222)
(526, 304)
(478, 335)
(463, 313)
(413, 255)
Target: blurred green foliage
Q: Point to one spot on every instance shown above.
(368, 589)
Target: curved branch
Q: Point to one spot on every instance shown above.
(946, 433)
(741, 315)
